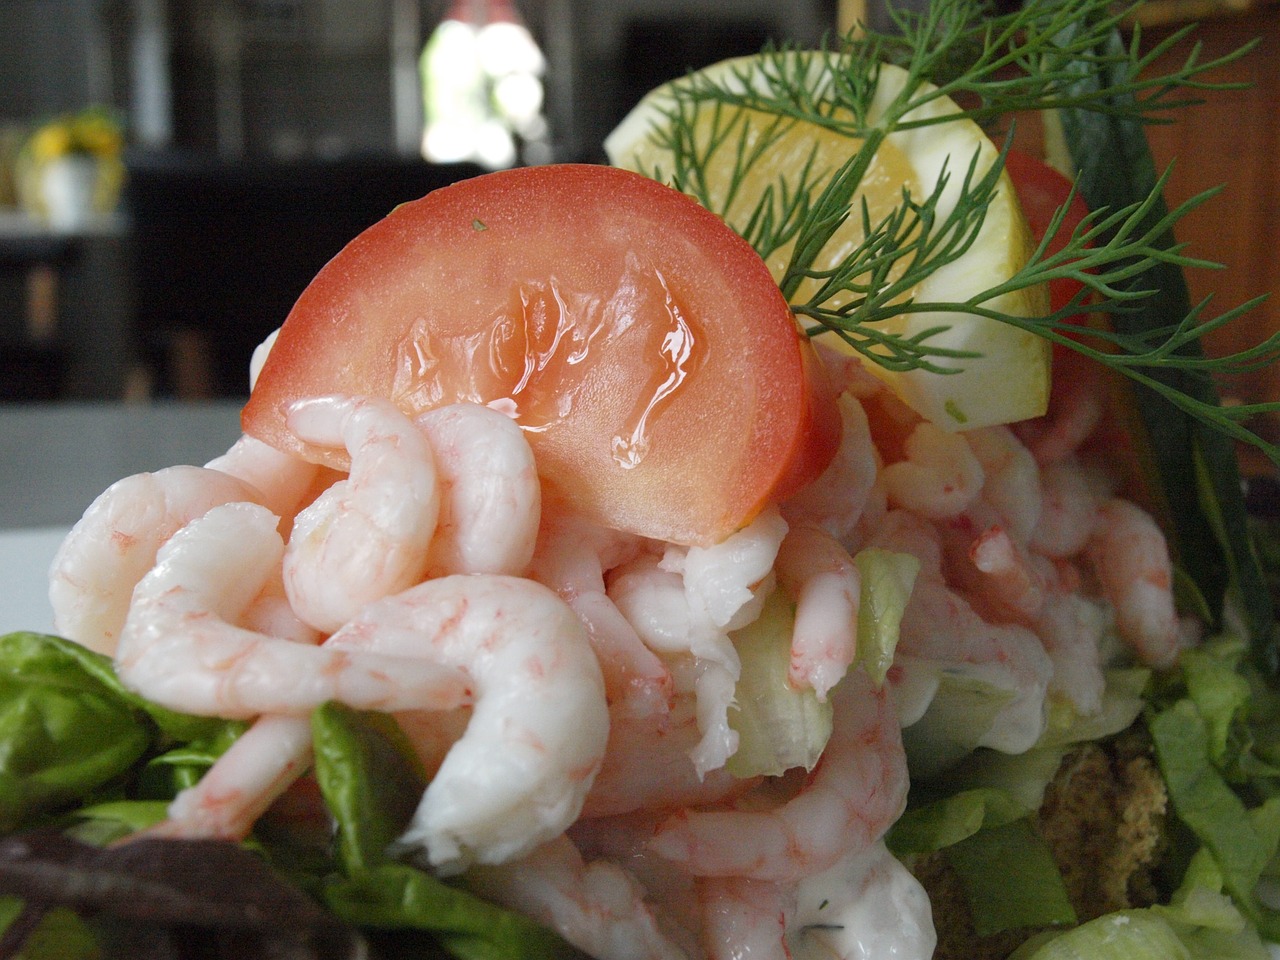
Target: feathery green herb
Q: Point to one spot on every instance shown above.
(992, 66)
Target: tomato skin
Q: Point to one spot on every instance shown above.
(1041, 191)
(593, 304)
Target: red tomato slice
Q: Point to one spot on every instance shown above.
(1041, 191)
(642, 345)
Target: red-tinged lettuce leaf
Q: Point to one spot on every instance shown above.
(134, 898)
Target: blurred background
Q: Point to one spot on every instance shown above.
(173, 172)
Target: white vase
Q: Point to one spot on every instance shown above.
(67, 187)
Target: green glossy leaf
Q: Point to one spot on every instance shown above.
(398, 897)
(370, 778)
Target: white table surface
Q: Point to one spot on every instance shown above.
(56, 458)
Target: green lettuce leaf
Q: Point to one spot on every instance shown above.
(394, 896)
(69, 728)
(779, 726)
(887, 579)
(1010, 879)
(370, 778)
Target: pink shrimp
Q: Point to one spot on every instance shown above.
(1071, 496)
(820, 576)
(745, 918)
(283, 479)
(182, 647)
(115, 543)
(940, 477)
(597, 906)
(571, 558)
(489, 493)
(940, 626)
(1130, 556)
(367, 536)
(857, 790)
(835, 501)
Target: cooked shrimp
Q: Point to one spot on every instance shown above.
(1011, 479)
(283, 479)
(836, 499)
(727, 583)
(940, 477)
(597, 906)
(744, 918)
(489, 493)
(571, 558)
(866, 907)
(1130, 556)
(367, 536)
(181, 647)
(857, 790)
(656, 603)
(650, 764)
(940, 626)
(1010, 579)
(820, 577)
(1071, 496)
(536, 737)
(243, 783)
(724, 588)
(1072, 628)
(1077, 400)
(114, 544)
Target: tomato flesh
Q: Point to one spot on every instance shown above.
(642, 345)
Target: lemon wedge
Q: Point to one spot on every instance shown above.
(1009, 379)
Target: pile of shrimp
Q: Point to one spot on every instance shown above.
(570, 687)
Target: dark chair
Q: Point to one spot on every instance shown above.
(222, 250)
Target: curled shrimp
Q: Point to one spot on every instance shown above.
(1131, 559)
(181, 647)
(597, 906)
(367, 536)
(820, 576)
(835, 501)
(572, 557)
(98, 564)
(939, 625)
(702, 657)
(940, 477)
(489, 492)
(536, 737)
(283, 479)
(742, 917)
(856, 791)
(1071, 495)
(1011, 479)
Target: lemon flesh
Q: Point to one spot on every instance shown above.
(1008, 380)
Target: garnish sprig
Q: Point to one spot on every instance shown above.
(984, 68)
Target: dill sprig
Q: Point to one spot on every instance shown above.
(961, 62)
